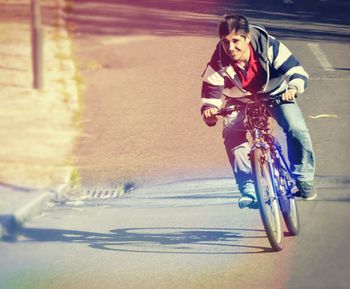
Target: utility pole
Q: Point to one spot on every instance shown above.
(37, 44)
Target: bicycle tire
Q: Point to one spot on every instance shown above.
(291, 218)
(266, 197)
(291, 213)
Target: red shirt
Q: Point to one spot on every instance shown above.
(254, 76)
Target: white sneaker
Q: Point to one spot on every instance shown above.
(247, 201)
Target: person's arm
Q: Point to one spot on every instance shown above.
(209, 116)
(212, 88)
(211, 99)
(290, 94)
(289, 66)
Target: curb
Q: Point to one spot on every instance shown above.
(15, 220)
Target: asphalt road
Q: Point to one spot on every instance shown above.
(179, 235)
(141, 119)
(181, 228)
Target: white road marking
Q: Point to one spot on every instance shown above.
(321, 56)
(323, 116)
(127, 39)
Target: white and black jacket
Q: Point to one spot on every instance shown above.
(281, 67)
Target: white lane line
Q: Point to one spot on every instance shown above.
(321, 56)
(127, 39)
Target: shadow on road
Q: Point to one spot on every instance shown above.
(6, 186)
(319, 20)
(164, 240)
(314, 19)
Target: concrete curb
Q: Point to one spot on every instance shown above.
(15, 220)
(31, 208)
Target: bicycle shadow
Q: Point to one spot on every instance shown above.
(159, 240)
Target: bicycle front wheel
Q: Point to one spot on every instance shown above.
(266, 196)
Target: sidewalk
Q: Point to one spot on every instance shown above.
(38, 128)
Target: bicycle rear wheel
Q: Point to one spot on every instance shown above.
(266, 196)
(291, 218)
(288, 200)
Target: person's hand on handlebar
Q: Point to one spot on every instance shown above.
(210, 117)
(290, 94)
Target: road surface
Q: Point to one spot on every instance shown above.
(181, 227)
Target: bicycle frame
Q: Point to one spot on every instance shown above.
(256, 122)
(273, 179)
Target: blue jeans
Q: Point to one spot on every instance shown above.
(299, 145)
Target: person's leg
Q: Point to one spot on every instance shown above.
(237, 149)
(299, 145)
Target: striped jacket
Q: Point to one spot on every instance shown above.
(282, 71)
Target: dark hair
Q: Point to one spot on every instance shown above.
(233, 23)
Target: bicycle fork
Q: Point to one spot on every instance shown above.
(281, 191)
(282, 184)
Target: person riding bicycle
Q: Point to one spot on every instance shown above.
(249, 61)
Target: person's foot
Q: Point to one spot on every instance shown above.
(247, 201)
(306, 190)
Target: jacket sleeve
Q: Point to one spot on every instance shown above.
(287, 65)
(212, 84)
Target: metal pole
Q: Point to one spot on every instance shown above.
(37, 44)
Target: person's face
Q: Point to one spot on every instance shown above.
(236, 46)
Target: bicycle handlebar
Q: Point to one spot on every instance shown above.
(269, 101)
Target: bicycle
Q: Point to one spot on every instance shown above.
(275, 186)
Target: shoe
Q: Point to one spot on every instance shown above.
(306, 190)
(247, 201)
